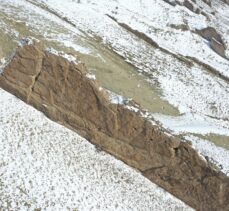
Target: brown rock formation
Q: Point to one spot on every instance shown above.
(215, 39)
(171, 2)
(218, 47)
(209, 33)
(61, 90)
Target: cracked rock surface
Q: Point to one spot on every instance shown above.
(60, 89)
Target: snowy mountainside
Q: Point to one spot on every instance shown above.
(161, 41)
(179, 54)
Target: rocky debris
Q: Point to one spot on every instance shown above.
(190, 4)
(209, 33)
(215, 39)
(182, 27)
(193, 6)
(62, 91)
(186, 60)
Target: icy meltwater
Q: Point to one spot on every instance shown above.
(112, 72)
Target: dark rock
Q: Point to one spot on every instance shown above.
(189, 5)
(182, 27)
(192, 6)
(215, 39)
(171, 2)
(218, 47)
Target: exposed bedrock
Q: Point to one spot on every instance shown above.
(215, 39)
(60, 89)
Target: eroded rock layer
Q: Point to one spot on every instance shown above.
(60, 89)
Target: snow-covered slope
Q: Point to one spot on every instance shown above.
(160, 42)
(191, 76)
(155, 19)
(48, 167)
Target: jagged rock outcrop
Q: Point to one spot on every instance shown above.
(215, 39)
(218, 47)
(189, 4)
(61, 90)
(209, 33)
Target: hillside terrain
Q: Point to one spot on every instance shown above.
(171, 57)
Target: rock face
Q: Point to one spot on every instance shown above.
(210, 33)
(214, 38)
(60, 89)
(218, 47)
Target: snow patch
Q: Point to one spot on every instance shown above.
(117, 99)
(2, 64)
(69, 57)
(191, 123)
(91, 76)
(217, 155)
(26, 41)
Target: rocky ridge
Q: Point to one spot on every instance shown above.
(209, 33)
(214, 38)
(61, 90)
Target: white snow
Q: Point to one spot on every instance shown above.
(217, 155)
(153, 18)
(191, 123)
(46, 166)
(115, 98)
(2, 64)
(26, 41)
(132, 108)
(200, 96)
(69, 57)
(91, 76)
